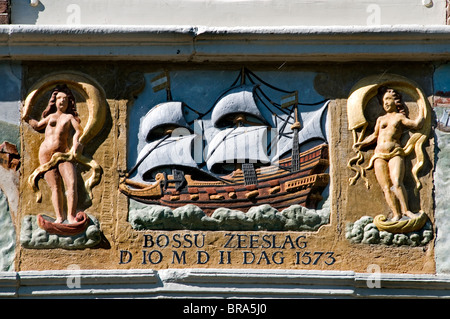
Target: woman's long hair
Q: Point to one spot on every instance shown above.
(71, 107)
(401, 107)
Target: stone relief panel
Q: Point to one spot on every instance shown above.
(228, 166)
(399, 131)
(254, 158)
(59, 153)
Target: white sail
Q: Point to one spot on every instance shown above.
(168, 113)
(238, 100)
(445, 117)
(238, 145)
(311, 129)
(172, 151)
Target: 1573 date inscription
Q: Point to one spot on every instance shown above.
(240, 248)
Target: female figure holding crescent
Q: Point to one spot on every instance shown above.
(59, 121)
(387, 160)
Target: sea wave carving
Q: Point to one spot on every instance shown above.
(364, 231)
(191, 217)
(34, 237)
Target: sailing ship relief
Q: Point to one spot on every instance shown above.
(244, 151)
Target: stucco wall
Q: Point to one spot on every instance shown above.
(219, 13)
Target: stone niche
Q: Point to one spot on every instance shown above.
(221, 209)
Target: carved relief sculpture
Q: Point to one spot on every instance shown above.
(58, 120)
(64, 139)
(388, 159)
(236, 170)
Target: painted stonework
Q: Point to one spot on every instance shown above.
(442, 135)
(7, 238)
(392, 145)
(62, 147)
(10, 75)
(242, 150)
(328, 226)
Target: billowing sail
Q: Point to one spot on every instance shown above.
(173, 151)
(164, 114)
(311, 129)
(238, 145)
(238, 100)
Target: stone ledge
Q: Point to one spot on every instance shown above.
(200, 44)
(217, 283)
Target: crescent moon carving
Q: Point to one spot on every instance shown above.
(366, 89)
(96, 104)
(83, 84)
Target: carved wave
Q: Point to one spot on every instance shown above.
(32, 236)
(364, 231)
(191, 217)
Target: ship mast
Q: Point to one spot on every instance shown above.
(248, 169)
(287, 101)
(240, 119)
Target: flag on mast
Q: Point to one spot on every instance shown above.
(289, 100)
(161, 81)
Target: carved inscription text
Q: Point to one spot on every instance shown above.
(236, 248)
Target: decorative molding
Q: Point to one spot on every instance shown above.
(200, 44)
(231, 283)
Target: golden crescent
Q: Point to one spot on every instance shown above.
(366, 89)
(96, 104)
(402, 226)
(83, 84)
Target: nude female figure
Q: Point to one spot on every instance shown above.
(388, 156)
(59, 120)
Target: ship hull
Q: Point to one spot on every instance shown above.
(275, 186)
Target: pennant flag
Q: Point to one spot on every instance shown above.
(289, 100)
(160, 82)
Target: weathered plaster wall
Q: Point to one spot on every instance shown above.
(7, 237)
(10, 96)
(230, 13)
(441, 88)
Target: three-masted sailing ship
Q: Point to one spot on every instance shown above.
(247, 162)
